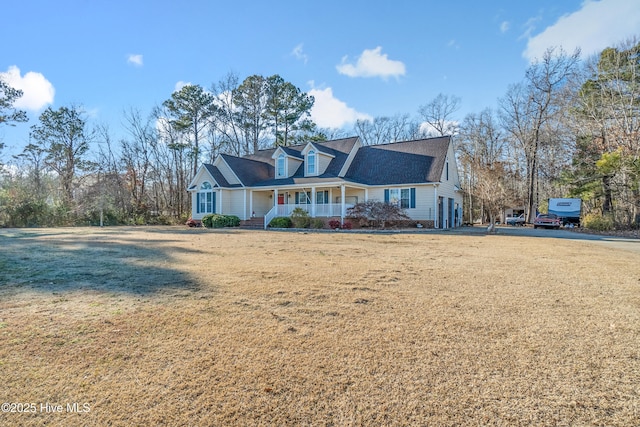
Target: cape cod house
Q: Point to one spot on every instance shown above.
(326, 178)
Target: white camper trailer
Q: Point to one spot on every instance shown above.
(568, 210)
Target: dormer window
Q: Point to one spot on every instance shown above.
(316, 159)
(280, 166)
(311, 162)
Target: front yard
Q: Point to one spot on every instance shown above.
(176, 326)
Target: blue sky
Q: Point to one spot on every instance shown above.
(360, 59)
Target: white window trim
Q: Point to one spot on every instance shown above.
(399, 202)
(205, 191)
(284, 166)
(314, 154)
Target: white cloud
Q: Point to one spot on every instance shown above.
(530, 27)
(37, 91)
(504, 26)
(372, 63)
(135, 60)
(330, 112)
(180, 84)
(298, 52)
(453, 44)
(597, 25)
(450, 128)
(93, 113)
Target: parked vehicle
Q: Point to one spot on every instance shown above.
(568, 210)
(547, 221)
(516, 220)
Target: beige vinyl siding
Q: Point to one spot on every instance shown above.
(322, 162)
(424, 209)
(194, 208)
(204, 177)
(447, 188)
(227, 172)
(350, 193)
(232, 203)
(454, 179)
(261, 203)
(292, 165)
(376, 193)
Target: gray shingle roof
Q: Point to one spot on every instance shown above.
(400, 162)
(395, 163)
(249, 172)
(217, 175)
(293, 152)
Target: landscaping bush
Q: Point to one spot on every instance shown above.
(317, 223)
(334, 223)
(220, 221)
(300, 218)
(377, 212)
(280, 222)
(598, 222)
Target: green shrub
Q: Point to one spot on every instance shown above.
(317, 223)
(280, 222)
(220, 221)
(598, 222)
(300, 218)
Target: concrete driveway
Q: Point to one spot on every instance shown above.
(624, 243)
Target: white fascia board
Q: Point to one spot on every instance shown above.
(278, 151)
(435, 184)
(350, 157)
(308, 185)
(201, 170)
(308, 148)
(310, 145)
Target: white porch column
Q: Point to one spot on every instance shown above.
(366, 194)
(313, 202)
(244, 203)
(342, 205)
(275, 198)
(435, 206)
(219, 202)
(331, 201)
(251, 202)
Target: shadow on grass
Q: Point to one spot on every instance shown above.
(113, 260)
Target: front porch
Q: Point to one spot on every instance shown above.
(316, 201)
(314, 211)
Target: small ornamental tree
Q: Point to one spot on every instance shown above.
(300, 218)
(378, 212)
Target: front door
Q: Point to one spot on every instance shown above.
(281, 199)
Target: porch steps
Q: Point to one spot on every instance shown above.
(253, 223)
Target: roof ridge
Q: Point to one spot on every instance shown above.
(409, 141)
(304, 144)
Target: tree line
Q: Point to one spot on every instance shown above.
(569, 128)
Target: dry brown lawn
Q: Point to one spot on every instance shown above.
(173, 326)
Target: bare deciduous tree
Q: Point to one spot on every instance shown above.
(529, 110)
(438, 114)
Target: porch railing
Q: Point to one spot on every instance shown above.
(323, 210)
